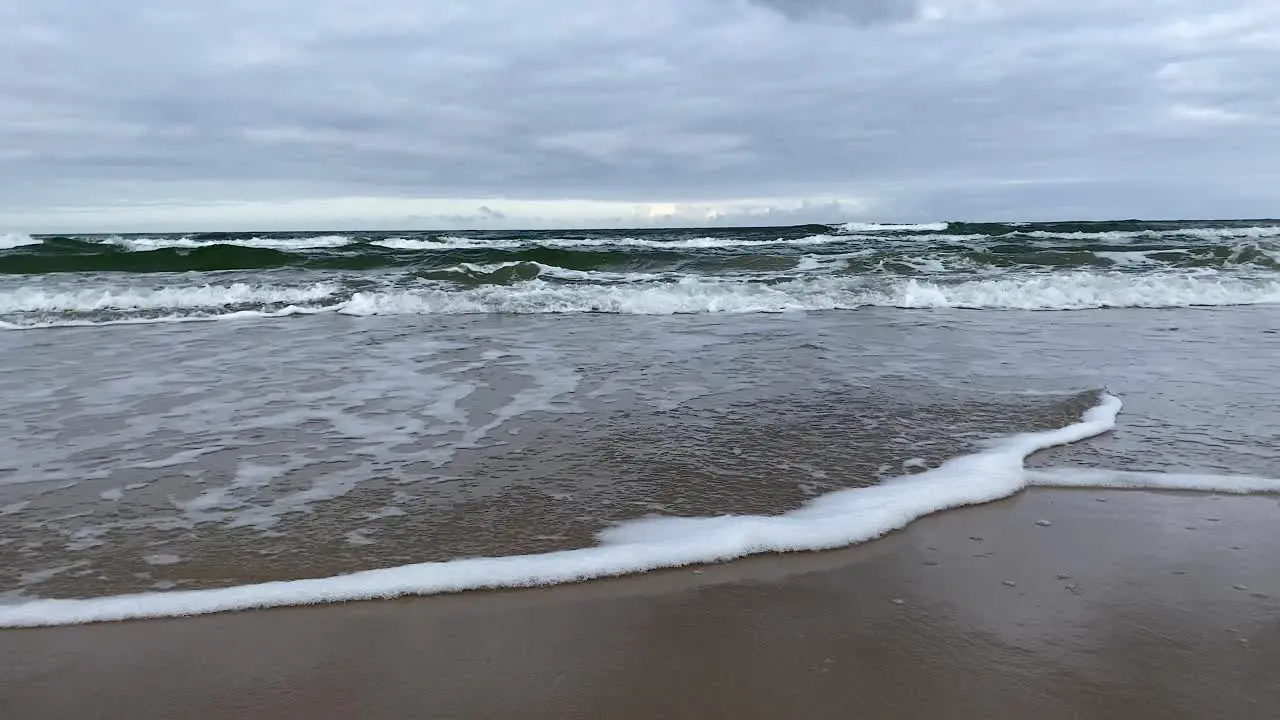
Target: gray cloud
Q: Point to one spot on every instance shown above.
(975, 108)
(858, 11)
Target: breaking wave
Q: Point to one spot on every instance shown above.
(58, 280)
(529, 288)
(9, 241)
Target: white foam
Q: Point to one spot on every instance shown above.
(1131, 258)
(143, 244)
(812, 263)
(1225, 233)
(38, 299)
(1252, 233)
(689, 295)
(465, 243)
(446, 243)
(929, 264)
(834, 520)
(1089, 290)
(9, 241)
(860, 228)
(650, 294)
(715, 242)
(165, 319)
(544, 270)
(1058, 291)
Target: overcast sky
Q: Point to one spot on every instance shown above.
(121, 115)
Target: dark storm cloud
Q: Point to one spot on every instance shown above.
(962, 108)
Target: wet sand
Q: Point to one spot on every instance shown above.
(1053, 604)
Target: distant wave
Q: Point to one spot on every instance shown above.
(468, 243)
(916, 252)
(856, 227)
(1226, 233)
(143, 244)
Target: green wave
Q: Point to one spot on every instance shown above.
(963, 247)
(66, 257)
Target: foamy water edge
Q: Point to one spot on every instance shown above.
(838, 519)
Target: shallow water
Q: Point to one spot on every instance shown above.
(152, 457)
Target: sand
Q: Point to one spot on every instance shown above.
(1053, 604)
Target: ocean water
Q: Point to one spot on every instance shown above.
(50, 281)
(207, 422)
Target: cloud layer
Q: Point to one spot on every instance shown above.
(147, 113)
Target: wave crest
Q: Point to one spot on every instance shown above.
(9, 241)
(631, 294)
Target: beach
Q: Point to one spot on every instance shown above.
(892, 471)
(1130, 604)
(722, 359)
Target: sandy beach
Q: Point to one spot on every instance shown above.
(708, 359)
(1053, 604)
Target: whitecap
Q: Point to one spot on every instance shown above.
(8, 241)
(35, 299)
(863, 227)
(143, 244)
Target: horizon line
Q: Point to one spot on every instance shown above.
(654, 228)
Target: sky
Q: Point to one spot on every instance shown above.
(151, 115)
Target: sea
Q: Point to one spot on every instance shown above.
(218, 421)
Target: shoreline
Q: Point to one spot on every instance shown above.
(1128, 603)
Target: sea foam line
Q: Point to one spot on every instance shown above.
(699, 243)
(144, 244)
(865, 227)
(645, 294)
(838, 519)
